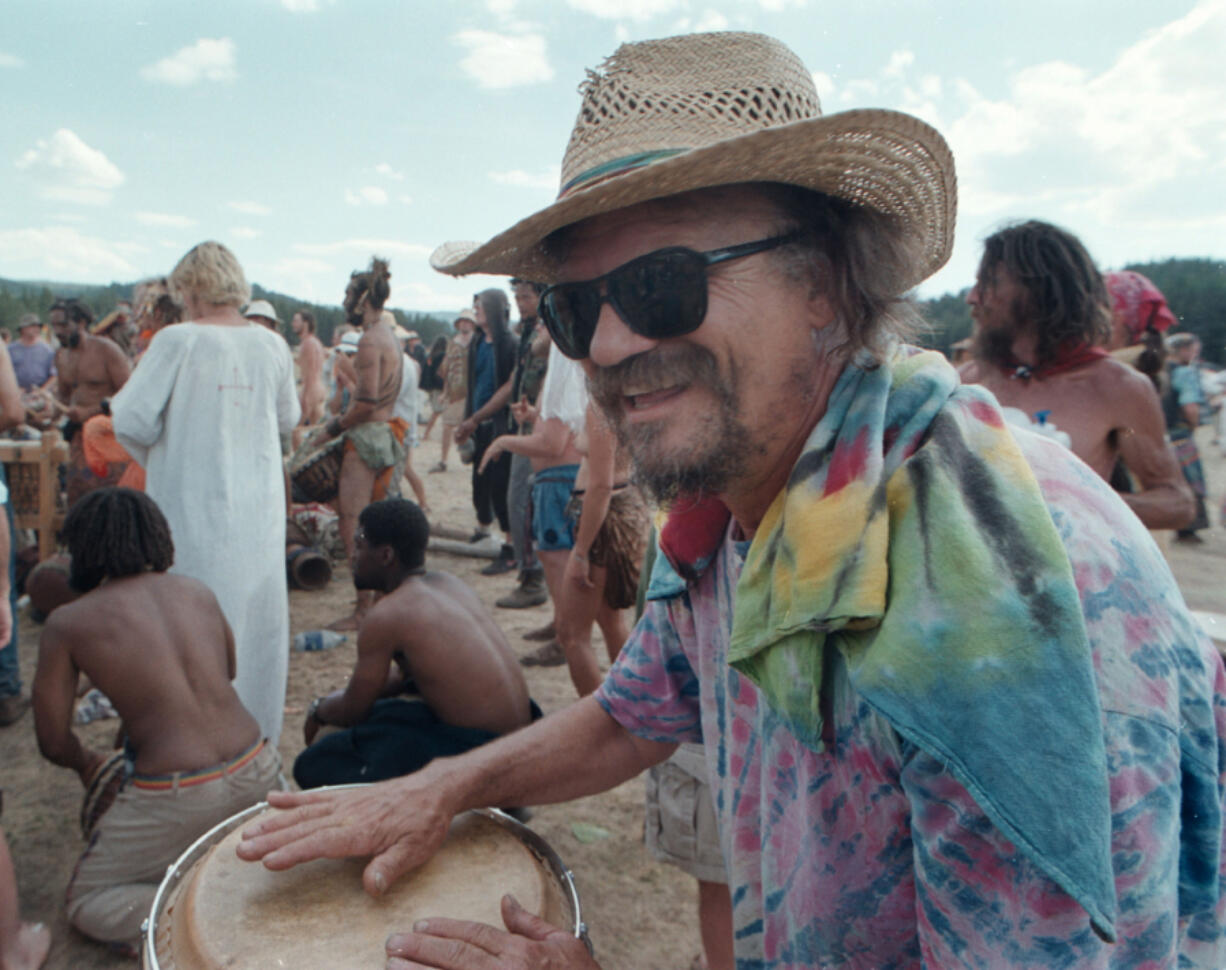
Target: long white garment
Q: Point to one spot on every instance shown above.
(405, 407)
(203, 412)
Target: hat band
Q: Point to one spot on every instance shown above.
(617, 166)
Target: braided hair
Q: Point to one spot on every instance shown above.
(113, 532)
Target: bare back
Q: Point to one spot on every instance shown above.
(460, 662)
(379, 369)
(159, 647)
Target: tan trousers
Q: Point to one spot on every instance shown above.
(142, 833)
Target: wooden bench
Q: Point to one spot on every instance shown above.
(33, 472)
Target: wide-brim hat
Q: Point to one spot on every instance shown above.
(662, 117)
(29, 320)
(261, 308)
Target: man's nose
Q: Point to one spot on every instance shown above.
(972, 297)
(614, 341)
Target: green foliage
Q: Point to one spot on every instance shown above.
(18, 297)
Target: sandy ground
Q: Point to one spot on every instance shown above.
(641, 914)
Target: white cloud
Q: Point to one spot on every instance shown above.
(547, 179)
(504, 60)
(164, 220)
(303, 6)
(366, 195)
(899, 62)
(362, 249)
(775, 6)
(384, 169)
(206, 60)
(64, 252)
(250, 208)
(11, 60)
(68, 170)
(624, 9)
(245, 232)
(404, 199)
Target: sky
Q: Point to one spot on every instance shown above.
(308, 134)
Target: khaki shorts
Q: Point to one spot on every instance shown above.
(680, 826)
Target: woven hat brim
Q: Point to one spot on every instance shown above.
(884, 160)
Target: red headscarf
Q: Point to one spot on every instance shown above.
(1137, 303)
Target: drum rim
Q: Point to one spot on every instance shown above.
(198, 849)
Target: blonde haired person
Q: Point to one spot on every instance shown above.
(204, 413)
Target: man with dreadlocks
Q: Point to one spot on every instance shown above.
(375, 439)
(1042, 315)
(159, 647)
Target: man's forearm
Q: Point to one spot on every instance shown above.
(498, 400)
(1170, 506)
(576, 752)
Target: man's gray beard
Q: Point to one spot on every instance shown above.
(726, 447)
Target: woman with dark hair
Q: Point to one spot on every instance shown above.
(491, 360)
(432, 382)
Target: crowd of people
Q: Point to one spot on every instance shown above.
(912, 680)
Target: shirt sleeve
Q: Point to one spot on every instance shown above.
(651, 690)
(139, 408)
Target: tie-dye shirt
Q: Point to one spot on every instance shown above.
(869, 853)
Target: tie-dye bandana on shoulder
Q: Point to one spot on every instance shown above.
(913, 537)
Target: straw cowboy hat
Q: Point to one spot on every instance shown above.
(667, 116)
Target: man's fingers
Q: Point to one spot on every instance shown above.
(449, 945)
(519, 920)
(392, 863)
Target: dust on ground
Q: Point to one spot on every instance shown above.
(641, 914)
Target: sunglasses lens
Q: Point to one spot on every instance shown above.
(570, 312)
(661, 295)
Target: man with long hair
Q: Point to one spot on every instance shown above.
(160, 648)
(1043, 318)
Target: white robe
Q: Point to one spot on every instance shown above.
(204, 412)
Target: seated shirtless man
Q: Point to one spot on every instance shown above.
(434, 675)
(375, 439)
(1041, 313)
(159, 647)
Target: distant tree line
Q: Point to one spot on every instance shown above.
(19, 297)
(1194, 288)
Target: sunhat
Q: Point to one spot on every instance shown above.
(466, 314)
(667, 116)
(28, 320)
(261, 308)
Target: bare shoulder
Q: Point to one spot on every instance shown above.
(1122, 382)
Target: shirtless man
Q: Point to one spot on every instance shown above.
(311, 370)
(1041, 311)
(428, 638)
(159, 647)
(90, 370)
(375, 439)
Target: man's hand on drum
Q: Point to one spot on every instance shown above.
(448, 944)
(400, 823)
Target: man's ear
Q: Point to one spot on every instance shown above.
(386, 556)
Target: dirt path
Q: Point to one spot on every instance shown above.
(640, 913)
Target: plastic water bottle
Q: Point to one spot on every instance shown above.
(311, 640)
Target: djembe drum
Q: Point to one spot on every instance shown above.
(216, 911)
(315, 470)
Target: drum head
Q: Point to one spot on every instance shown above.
(235, 914)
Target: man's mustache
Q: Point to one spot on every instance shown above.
(684, 364)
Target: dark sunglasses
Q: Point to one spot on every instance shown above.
(659, 295)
